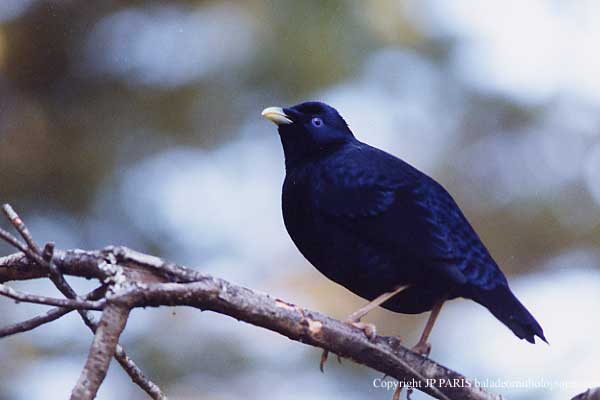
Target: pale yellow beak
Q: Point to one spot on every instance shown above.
(276, 115)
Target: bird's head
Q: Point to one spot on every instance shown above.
(308, 130)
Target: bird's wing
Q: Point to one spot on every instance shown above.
(395, 207)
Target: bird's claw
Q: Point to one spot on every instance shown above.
(422, 349)
(370, 330)
(324, 356)
(323, 360)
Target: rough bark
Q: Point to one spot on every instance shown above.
(141, 280)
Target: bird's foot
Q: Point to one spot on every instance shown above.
(370, 330)
(422, 349)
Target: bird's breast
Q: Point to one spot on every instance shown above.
(334, 251)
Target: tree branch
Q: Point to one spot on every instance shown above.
(20, 226)
(146, 280)
(45, 259)
(106, 339)
(50, 301)
(50, 316)
(137, 375)
(130, 279)
(590, 394)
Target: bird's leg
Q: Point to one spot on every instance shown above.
(423, 347)
(397, 392)
(354, 318)
(361, 312)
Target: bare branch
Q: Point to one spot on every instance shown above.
(137, 375)
(50, 316)
(34, 322)
(384, 354)
(20, 226)
(590, 394)
(146, 285)
(45, 259)
(141, 280)
(97, 264)
(146, 276)
(50, 301)
(13, 241)
(112, 323)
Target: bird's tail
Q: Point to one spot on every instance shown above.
(508, 309)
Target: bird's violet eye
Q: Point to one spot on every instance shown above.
(317, 122)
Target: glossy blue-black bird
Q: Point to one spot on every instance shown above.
(384, 230)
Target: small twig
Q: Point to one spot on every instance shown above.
(55, 275)
(112, 323)
(34, 322)
(137, 375)
(20, 226)
(45, 259)
(32, 251)
(51, 301)
(13, 241)
(50, 316)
